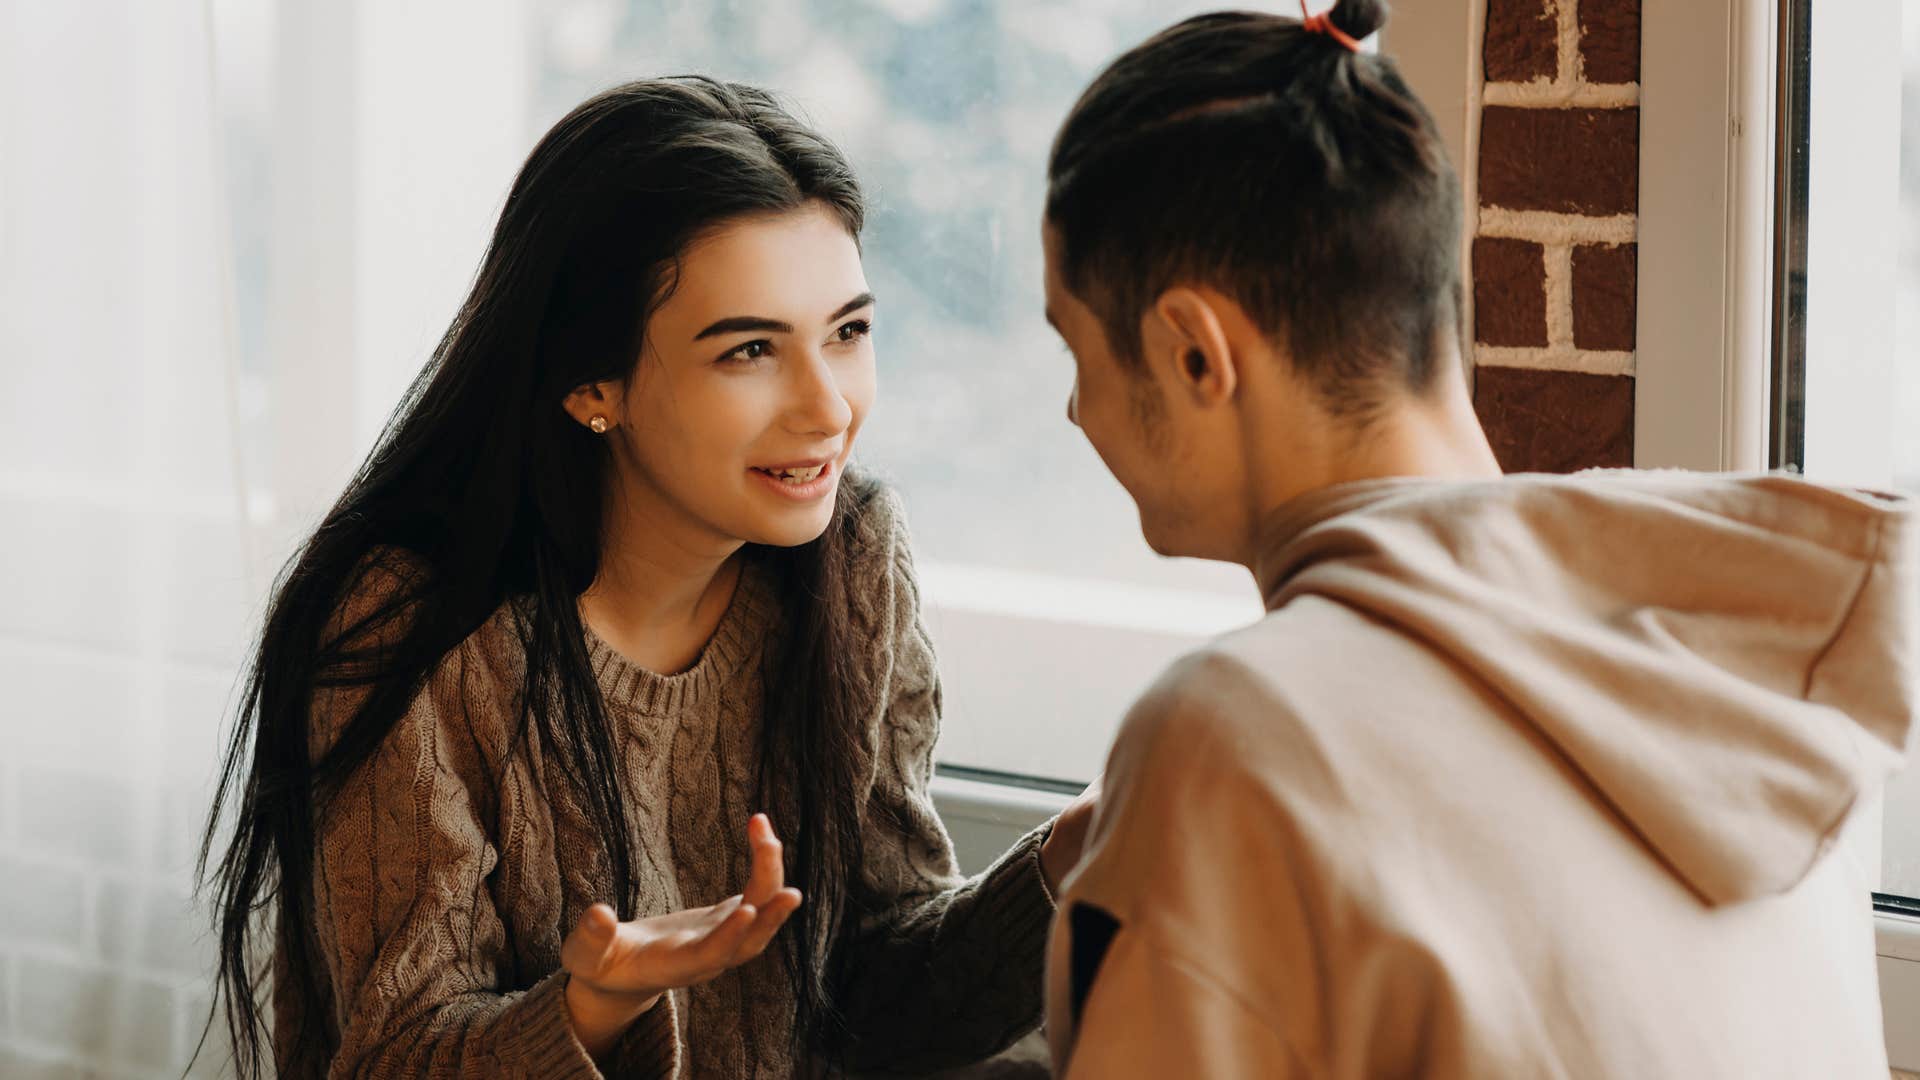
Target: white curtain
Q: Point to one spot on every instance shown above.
(229, 232)
(125, 587)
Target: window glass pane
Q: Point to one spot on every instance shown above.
(1907, 445)
(1854, 380)
(1901, 869)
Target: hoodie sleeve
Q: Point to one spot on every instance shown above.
(1193, 935)
(948, 970)
(1152, 1013)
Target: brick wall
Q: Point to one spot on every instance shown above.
(1553, 250)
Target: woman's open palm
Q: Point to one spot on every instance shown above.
(640, 960)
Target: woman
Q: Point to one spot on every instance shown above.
(605, 588)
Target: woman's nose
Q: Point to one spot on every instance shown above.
(1073, 404)
(820, 404)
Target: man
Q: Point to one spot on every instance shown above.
(1529, 776)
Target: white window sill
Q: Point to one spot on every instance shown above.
(985, 819)
(1898, 942)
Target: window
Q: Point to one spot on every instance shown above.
(1901, 871)
(1777, 271)
(361, 186)
(378, 191)
(360, 206)
(1047, 629)
(1846, 379)
(378, 210)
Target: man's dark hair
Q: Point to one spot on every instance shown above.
(1248, 153)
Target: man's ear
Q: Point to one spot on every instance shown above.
(1186, 339)
(600, 401)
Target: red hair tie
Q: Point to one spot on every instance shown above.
(1323, 24)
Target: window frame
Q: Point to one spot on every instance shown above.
(1711, 186)
(1704, 293)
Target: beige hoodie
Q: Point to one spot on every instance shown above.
(1531, 777)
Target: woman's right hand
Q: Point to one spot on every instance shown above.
(617, 971)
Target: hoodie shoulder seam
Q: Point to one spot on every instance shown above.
(1853, 604)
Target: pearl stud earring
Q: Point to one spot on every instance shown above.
(598, 424)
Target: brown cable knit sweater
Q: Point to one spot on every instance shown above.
(442, 896)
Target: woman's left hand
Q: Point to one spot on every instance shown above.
(1060, 852)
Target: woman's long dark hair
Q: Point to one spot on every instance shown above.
(482, 489)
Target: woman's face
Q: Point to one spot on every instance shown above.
(752, 384)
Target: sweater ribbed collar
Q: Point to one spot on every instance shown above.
(742, 631)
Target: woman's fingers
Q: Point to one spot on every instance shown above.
(587, 949)
(768, 874)
(691, 946)
(772, 917)
(714, 950)
(685, 948)
(601, 924)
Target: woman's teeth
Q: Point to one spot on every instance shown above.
(795, 476)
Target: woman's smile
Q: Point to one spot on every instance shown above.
(801, 481)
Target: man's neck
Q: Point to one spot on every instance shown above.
(1436, 437)
(1439, 440)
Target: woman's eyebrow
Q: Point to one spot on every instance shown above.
(744, 324)
(852, 306)
(740, 324)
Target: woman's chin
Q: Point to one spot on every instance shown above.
(793, 527)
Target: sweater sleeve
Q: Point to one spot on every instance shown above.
(948, 970)
(413, 949)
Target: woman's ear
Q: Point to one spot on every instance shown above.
(1187, 337)
(596, 406)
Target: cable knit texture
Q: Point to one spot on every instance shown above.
(448, 871)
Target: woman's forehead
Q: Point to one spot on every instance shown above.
(797, 267)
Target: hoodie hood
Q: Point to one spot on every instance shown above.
(1730, 661)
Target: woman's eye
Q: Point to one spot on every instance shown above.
(752, 350)
(855, 330)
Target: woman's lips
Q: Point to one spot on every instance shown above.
(801, 481)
